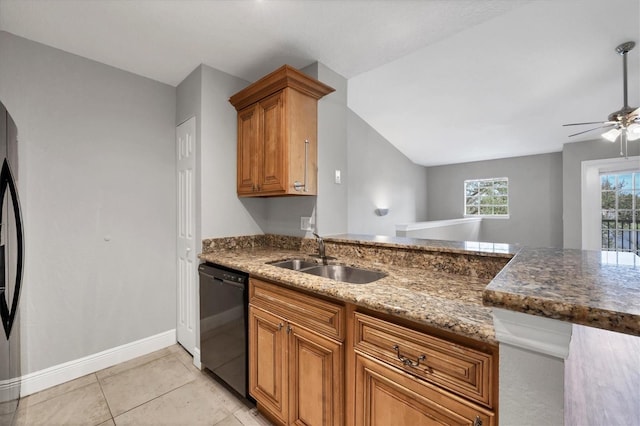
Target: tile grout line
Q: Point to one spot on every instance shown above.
(130, 368)
(105, 400)
(54, 396)
(152, 399)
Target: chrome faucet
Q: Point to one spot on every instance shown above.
(321, 251)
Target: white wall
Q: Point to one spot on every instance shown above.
(466, 229)
(97, 182)
(380, 176)
(573, 154)
(535, 197)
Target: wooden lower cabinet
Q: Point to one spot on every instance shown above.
(315, 379)
(316, 362)
(386, 396)
(268, 378)
(296, 375)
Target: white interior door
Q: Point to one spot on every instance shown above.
(186, 244)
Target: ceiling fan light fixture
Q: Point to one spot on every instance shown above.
(633, 132)
(611, 135)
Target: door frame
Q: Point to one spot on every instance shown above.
(591, 170)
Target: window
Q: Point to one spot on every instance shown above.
(620, 211)
(486, 197)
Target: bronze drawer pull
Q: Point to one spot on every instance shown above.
(407, 361)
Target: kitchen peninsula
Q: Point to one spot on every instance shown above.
(451, 291)
(438, 284)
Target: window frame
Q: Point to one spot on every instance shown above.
(486, 216)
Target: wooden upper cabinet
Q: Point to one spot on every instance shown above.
(277, 134)
(247, 134)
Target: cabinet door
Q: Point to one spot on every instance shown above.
(267, 361)
(386, 396)
(272, 174)
(315, 379)
(248, 149)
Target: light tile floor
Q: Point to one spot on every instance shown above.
(161, 388)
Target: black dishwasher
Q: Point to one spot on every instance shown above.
(223, 324)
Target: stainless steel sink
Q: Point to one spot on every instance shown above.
(348, 274)
(294, 264)
(343, 273)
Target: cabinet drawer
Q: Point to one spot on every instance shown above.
(316, 314)
(459, 369)
(385, 396)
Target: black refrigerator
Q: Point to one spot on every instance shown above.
(11, 267)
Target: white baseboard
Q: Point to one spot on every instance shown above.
(61, 373)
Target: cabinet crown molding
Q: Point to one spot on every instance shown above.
(283, 77)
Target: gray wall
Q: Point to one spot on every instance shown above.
(97, 182)
(189, 100)
(573, 154)
(381, 176)
(204, 94)
(189, 104)
(535, 197)
(331, 211)
(342, 138)
(223, 213)
(329, 207)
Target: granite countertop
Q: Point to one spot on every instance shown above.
(461, 247)
(442, 300)
(592, 288)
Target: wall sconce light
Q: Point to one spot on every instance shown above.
(382, 212)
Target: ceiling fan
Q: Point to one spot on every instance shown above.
(624, 123)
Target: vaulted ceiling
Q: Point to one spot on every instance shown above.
(444, 81)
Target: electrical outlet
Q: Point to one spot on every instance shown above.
(338, 178)
(305, 223)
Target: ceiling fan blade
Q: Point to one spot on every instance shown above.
(591, 130)
(580, 124)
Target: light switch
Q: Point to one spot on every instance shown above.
(338, 178)
(305, 223)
